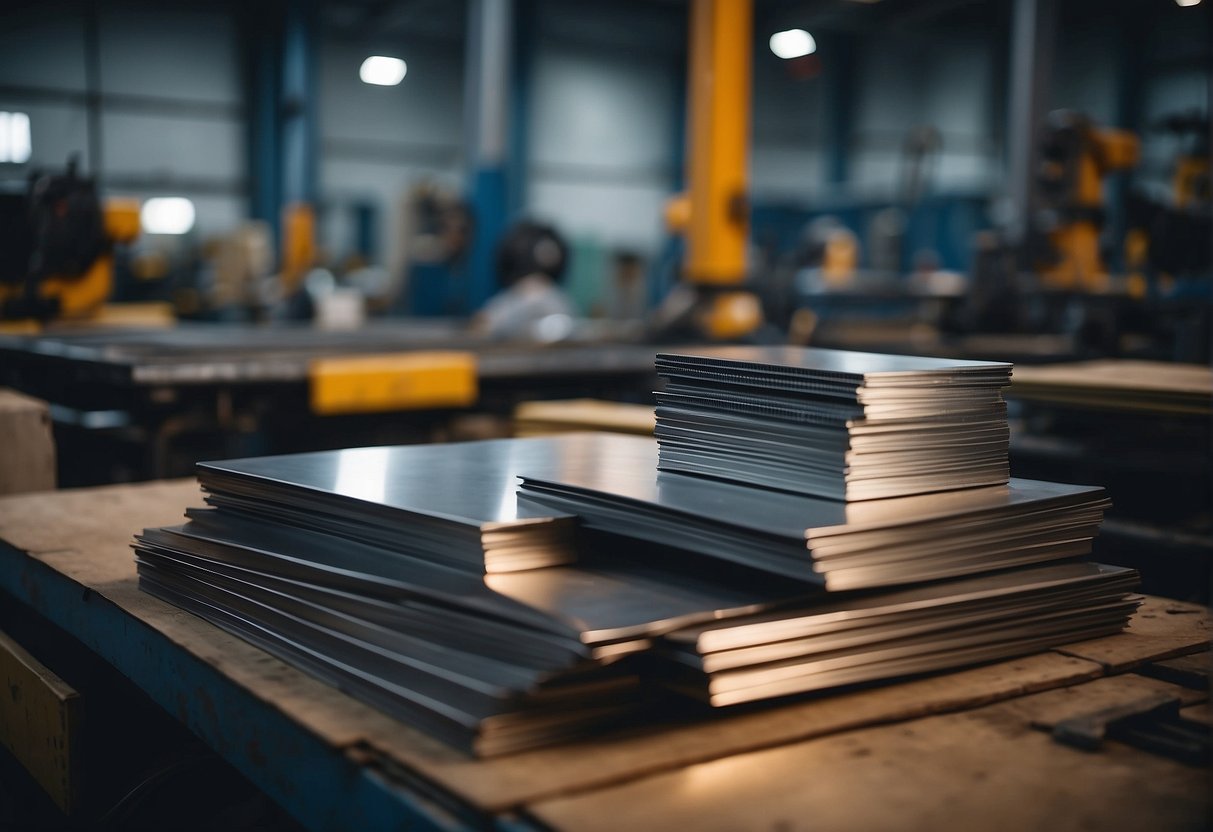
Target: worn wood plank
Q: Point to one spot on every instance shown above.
(1191, 671)
(1161, 629)
(1201, 713)
(96, 524)
(547, 417)
(40, 721)
(1118, 384)
(1051, 707)
(1195, 664)
(504, 783)
(982, 769)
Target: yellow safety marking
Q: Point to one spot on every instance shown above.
(399, 381)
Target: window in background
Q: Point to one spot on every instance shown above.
(15, 141)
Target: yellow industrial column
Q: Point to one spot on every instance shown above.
(713, 214)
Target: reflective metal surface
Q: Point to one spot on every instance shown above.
(470, 483)
(615, 487)
(776, 417)
(1021, 587)
(854, 365)
(624, 468)
(884, 634)
(598, 602)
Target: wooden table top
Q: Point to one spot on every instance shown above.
(955, 750)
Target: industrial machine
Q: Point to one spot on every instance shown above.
(56, 247)
(1168, 240)
(1075, 157)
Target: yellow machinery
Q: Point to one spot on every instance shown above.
(58, 249)
(713, 213)
(82, 295)
(1075, 157)
(298, 244)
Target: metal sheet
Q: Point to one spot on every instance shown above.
(616, 488)
(1069, 578)
(624, 468)
(840, 364)
(774, 417)
(466, 483)
(593, 603)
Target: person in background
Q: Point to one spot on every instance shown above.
(531, 305)
(627, 298)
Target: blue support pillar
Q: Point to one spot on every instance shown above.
(298, 108)
(263, 46)
(518, 154)
(663, 273)
(282, 135)
(366, 221)
(840, 67)
(487, 101)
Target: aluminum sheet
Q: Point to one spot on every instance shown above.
(624, 469)
(454, 504)
(840, 364)
(474, 724)
(625, 597)
(465, 483)
(794, 407)
(618, 489)
(857, 609)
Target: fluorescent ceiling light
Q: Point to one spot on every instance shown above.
(15, 144)
(793, 43)
(382, 71)
(167, 215)
(1187, 2)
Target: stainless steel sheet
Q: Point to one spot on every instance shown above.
(624, 469)
(465, 483)
(840, 364)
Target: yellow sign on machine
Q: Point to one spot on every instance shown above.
(397, 381)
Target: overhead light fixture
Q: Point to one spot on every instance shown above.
(382, 71)
(15, 144)
(793, 43)
(167, 215)
(1187, 2)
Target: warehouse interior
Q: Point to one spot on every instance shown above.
(673, 280)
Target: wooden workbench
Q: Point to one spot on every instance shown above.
(955, 750)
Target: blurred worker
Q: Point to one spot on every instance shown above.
(627, 294)
(530, 264)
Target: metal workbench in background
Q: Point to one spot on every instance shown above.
(143, 404)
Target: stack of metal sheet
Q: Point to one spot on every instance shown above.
(615, 487)
(451, 504)
(489, 663)
(892, 633)
(395, 574)
(842, 425)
